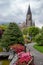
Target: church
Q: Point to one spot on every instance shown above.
(29, 22)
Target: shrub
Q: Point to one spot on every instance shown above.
(39, 39)
(33, 31)
(12, 35)
(3, 27)
(27, 41)
(1, 49)
(24, 36)
(1, 32)
(25, 31)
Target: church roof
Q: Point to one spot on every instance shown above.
(29, 10)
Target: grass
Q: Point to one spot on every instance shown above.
(39, 48)
(1, 50)
(5, 62)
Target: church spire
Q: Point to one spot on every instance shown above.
(29, 10)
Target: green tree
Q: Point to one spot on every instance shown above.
(41, 30)
(25, 31)
(33, 31)
(39, 39)
(12, 35)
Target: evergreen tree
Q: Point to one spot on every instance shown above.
(12, 35)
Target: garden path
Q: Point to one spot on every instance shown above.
(38, 57)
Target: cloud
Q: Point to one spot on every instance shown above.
(15, 10)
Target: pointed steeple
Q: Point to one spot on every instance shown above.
(29, 10)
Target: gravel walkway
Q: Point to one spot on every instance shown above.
(38, 57)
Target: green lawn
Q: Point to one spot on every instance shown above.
(39, 48)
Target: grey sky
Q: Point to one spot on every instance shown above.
(15, 10)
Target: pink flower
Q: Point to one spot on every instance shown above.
(23, 54)
(24, 57)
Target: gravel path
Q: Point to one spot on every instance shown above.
(38, 57)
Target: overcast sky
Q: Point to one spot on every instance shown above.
(15, 10)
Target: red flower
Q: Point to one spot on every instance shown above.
(18, 48)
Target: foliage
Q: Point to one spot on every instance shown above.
(3, 27)
(33, 31)
(26, 39)
(1, 32)
(1, 50)
(39, 39)
(39, 48)
(12, 35)
(5, 62)
(24, 36)
(42, 30)
(25, 31)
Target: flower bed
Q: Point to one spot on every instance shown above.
(23, 58)
(18, 48)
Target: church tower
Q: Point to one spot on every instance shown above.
(29, 18)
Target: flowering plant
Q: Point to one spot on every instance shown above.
(18, 48)
(23, 58)
(1, 32)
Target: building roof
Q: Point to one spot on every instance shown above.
(29, 10)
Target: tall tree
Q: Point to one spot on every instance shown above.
(12, 35)
(33, 31)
